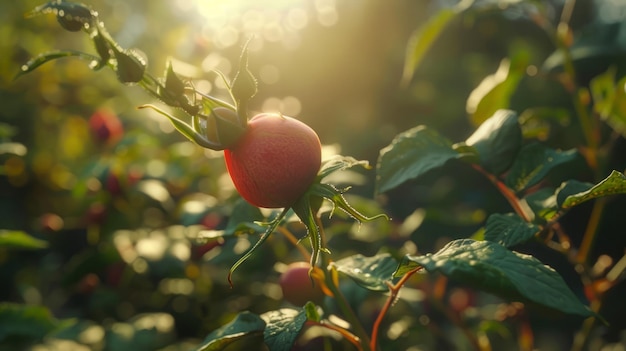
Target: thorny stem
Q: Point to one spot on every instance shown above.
(354, 340)
(344, 306)
(394, 289)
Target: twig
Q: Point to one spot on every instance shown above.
(393, 294)
(292, 238)
(329, 275)
(508, 194)
(591, 230)
(353, 339)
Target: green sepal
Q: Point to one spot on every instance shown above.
(335, 196)
(210, 102)
(244, 87)
(227, 131)
(305, 211)
(271, 226)
(50, 56)
(186, 130)
(173, 84)
(307, 206)
(103, 47)
(339, 163)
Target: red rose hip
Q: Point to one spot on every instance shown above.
(297, 286)
(275, 161)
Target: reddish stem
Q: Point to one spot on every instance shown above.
(292, 239)
(508, 194)
(393, 294)
(353, 339)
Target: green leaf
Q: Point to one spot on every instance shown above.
(533, 163)
(537, 122)
(339, 163)
(423, 38)
(312, 314)
(543, 203)
(509, 229)
(410, 155)
(617, 118)
(497, 141)
(602, 88)
(24, 321)
(594, 45)
(50, 56)
(243, 333)
(610, 99)
(493, 268)
(372, 273)
(615, 183)
(495, 91)
(283, 327)
(70, 15)
(570, 187)
(130, 66)
(14, 239)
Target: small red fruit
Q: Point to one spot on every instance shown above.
(106, 127)
(275, 160)
(297, 286)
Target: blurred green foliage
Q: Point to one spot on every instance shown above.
(124, 203)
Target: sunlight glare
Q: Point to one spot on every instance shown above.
(227, 23)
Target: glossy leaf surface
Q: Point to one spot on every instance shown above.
(493, 268)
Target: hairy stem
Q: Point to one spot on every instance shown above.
(329, 274)
(394, 289)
